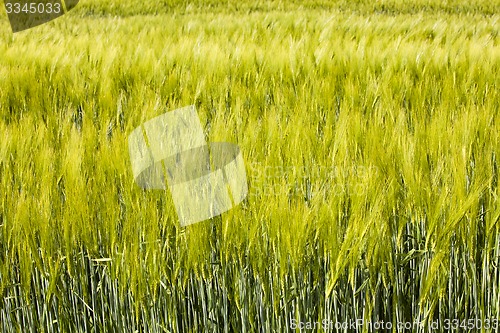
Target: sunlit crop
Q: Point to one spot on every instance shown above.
(371, 137)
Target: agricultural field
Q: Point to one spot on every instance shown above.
(370, 132)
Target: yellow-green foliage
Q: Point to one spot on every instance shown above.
(370, 133)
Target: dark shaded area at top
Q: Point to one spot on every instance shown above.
(26, 14)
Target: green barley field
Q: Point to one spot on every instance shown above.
(370, 132)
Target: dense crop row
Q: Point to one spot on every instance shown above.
(371, 138)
